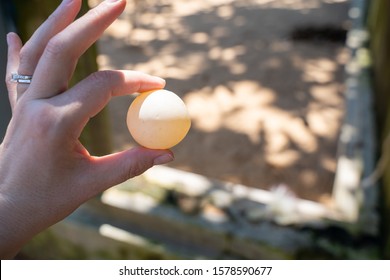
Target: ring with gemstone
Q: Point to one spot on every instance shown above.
(21, 79)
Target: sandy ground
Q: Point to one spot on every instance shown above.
(266, 109)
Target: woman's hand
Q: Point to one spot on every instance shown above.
(45, 172)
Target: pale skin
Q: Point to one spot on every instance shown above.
(45, 172)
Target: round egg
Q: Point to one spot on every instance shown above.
(158, 119)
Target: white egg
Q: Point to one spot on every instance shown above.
(158, 119)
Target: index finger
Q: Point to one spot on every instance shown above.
(91, 95)
(62, 52)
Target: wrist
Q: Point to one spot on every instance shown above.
(15, 227)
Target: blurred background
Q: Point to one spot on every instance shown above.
(265, 83)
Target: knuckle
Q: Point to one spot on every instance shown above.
(44, 119)
(24, 55)
(96, 13)
(137, 168)
(134, 170)
(102, 77)
(10, 85)
(104, 80)
(28, 56)
(55, 47)
(41, 118)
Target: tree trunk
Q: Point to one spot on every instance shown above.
(379, 25)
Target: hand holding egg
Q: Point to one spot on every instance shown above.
(158, 119)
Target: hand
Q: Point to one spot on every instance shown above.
(45, 172)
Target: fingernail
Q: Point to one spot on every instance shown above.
(113, 0)
(160, 80)
(9, 38)
(163, 159)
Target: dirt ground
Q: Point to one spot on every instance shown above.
(262, 79)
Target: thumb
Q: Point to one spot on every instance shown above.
(116, 168)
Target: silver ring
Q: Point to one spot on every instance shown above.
(21, 79)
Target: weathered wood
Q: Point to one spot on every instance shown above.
(28, 16)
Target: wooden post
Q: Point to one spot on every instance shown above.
(28, 16)
(379, 25)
